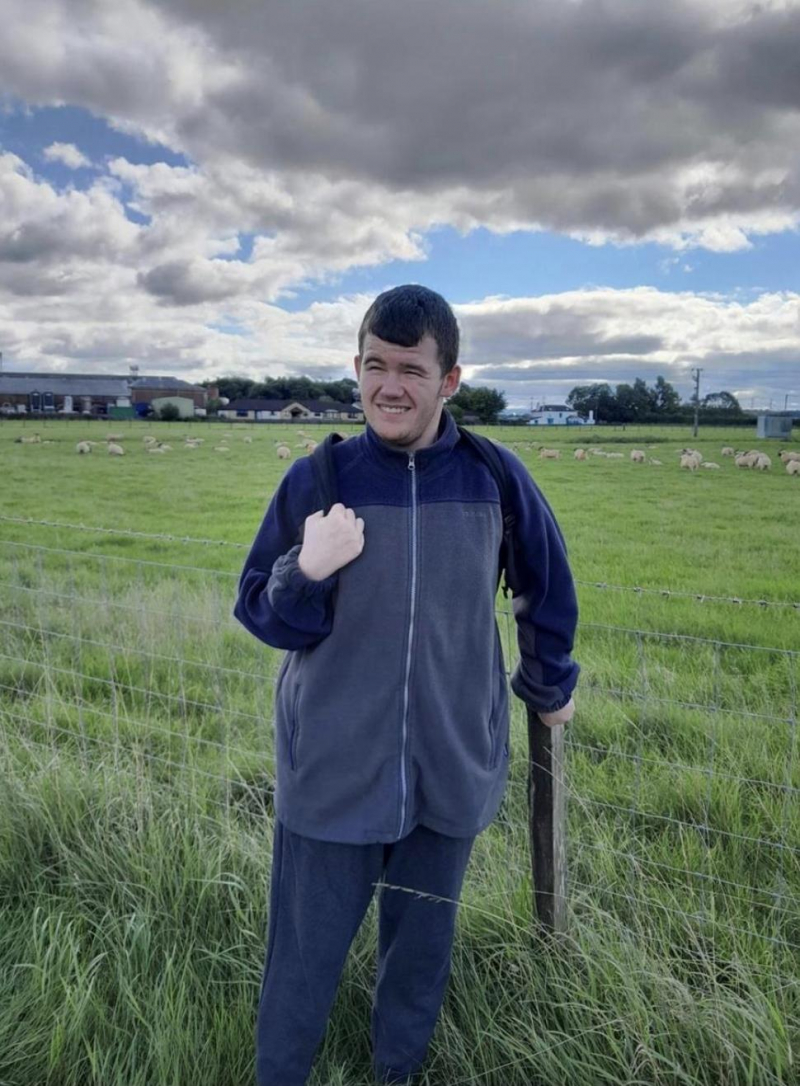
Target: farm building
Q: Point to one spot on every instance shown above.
(262, 410)
(90, 393)
(775, 424)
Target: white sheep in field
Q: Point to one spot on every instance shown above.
(284, 453)
(690, 463)
(599, 452)
(549, 454)
(638, 456)
(150, 440)
(657, 463)
(32, 439)
(310, 446)
(115, 450)
(164, 447)
(615, 456)
(727, 451)
(793, 467)
(745, 460)
(709, 464)
(788, 454)
(247, 439)
(155, 449)
(763, 462)
(221, 448)
(115, 437)
(83, 447)
(580, 454)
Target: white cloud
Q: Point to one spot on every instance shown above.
(66, 153)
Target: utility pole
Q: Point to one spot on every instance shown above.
(697, 371)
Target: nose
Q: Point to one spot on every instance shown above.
(392, 385)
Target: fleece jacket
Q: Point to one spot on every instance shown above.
(391, 705)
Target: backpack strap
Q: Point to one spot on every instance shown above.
(486, 450)
(322, 464)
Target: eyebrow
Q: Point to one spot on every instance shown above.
(375, 358)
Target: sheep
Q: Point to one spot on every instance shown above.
(638, 456)
(709, 464)
(615, 456)
(788, 454)
(148, 440)
(247, 439)
(727, 450)
(32, 439)
(656, 462)
(580, 454)
(284, 453)
(745, 460)
(221, 448)
(115, 437)
(793, 467)
(310, 446)
(83, 447)
(115, 450)
(763, 462)
(690, 463)
(549, 454)
(155, 449)
(599, 452)
(164, 447)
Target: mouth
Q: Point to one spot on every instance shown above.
(392, 412)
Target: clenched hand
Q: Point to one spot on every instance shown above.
(330, 542)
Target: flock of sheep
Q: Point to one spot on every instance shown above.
(153, 445)
(690, 459)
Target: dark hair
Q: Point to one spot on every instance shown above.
(405, 314)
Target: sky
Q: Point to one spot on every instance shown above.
(602, 189)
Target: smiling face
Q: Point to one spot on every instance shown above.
(408, 379)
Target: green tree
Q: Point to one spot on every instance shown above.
(486, 403)
(724, 401)
(667, 400)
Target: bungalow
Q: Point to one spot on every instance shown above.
(558, 414)
(263, 410)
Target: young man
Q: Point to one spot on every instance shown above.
(391, 705)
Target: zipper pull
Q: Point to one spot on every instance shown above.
(410, 461)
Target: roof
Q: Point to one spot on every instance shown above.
(63, 384)
(95, 384)
(162, 382)
(554, 407)
(315, 406)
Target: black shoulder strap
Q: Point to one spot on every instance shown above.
(322, 463)
(485, 448)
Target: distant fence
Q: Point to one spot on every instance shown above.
(136, 666)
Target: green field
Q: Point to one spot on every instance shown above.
(136, 753)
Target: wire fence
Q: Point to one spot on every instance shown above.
(682, 766)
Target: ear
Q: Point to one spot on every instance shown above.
(451, 382)
(357, 364)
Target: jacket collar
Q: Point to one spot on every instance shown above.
(425, 459)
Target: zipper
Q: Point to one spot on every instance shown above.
(403, 784)
(295, 729)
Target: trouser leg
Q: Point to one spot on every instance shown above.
(415, 937)
(319, 894)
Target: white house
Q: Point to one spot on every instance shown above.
(548, 414)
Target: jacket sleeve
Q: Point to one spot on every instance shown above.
(276, 602)
(544, 601)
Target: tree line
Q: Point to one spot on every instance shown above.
(637, 402)
(641, 403)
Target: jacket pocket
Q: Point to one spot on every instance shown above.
(294, 728)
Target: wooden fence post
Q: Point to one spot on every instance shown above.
(547, 795)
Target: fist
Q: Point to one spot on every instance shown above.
(560, 716)
(330, 542)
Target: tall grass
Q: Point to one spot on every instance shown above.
(136, 807)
